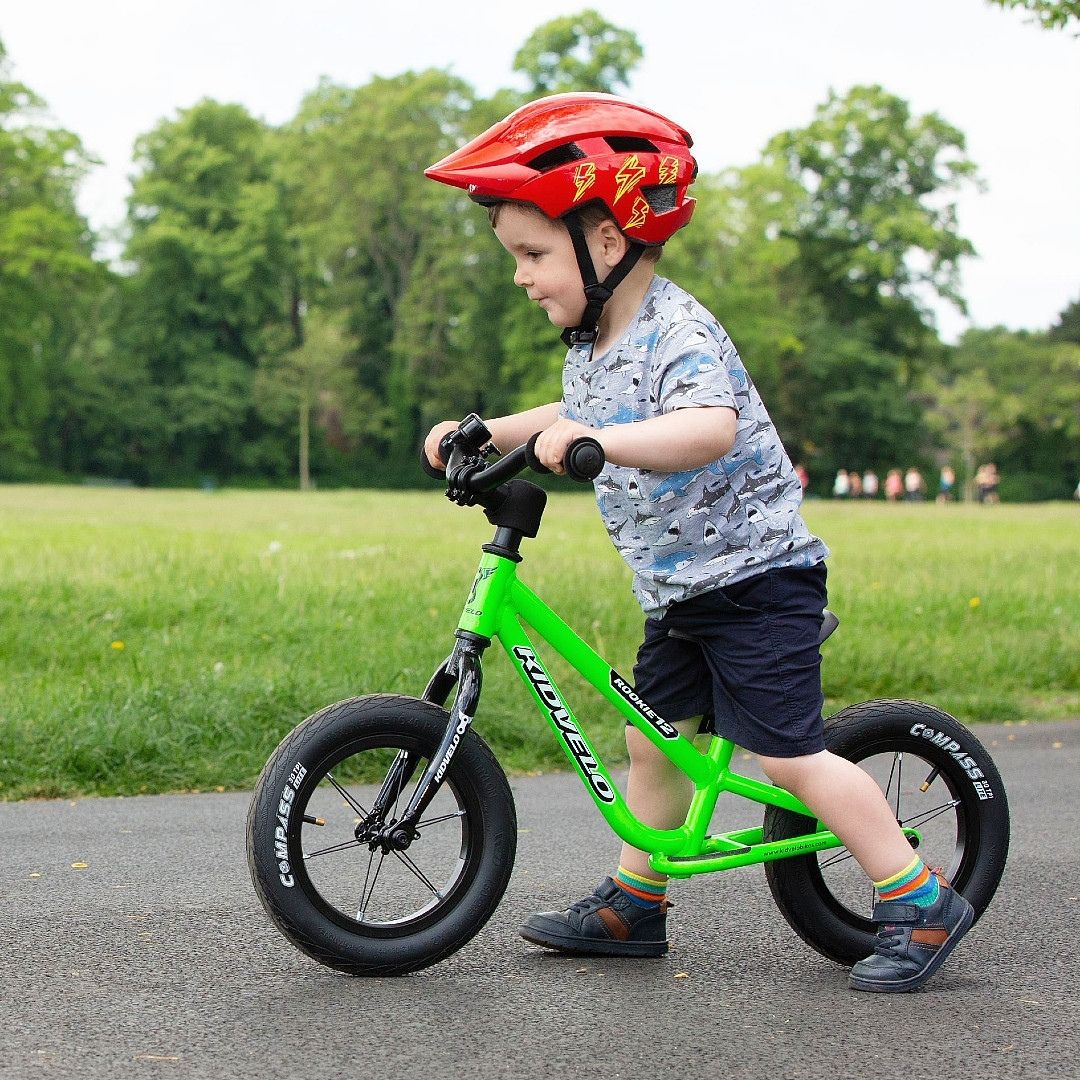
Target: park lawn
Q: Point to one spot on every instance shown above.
(166, 640)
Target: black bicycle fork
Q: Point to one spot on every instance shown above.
(462, 668)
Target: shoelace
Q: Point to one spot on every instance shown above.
(889, 940)
(590, 903)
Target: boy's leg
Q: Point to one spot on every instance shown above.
(850, 803)
(920, 917)
(658, 793)
(627, 915)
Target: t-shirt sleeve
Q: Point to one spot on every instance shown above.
(691, 369)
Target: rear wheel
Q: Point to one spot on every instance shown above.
(338, 896)
(939, 779)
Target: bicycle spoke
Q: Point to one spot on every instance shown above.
(928, 815)
(347, 797)
(892, 773)
(334, 847)
(365, 892)
(436, 820)
(841, 856)
(418, 873)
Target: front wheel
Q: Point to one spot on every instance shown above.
(939, 779)
(340, 898)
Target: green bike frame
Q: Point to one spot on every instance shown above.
(497, 606)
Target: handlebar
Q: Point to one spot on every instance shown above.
(465, 451)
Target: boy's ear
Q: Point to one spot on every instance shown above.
(613, 241)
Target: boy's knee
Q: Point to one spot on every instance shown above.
(788, 772)
(643, 752)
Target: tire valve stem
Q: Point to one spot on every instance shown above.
(929, 780)
(313, 820)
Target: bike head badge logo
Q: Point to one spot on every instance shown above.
(584, 178)
(631, 174)
(483, 575)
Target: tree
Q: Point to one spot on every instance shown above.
(385, 248)
(1013, 397)
(973, 418)
(737, 259)
(1067, 328)
(581, 52)
(1050, 14)
(207, 296)
(309, 380)
(878, 221)
(48, 277)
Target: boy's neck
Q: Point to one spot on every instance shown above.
(620, 310)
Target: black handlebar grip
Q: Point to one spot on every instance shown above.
(425, 464)
(446, 448)
(530, 456)
(584, 460)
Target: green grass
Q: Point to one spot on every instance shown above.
(240, 613)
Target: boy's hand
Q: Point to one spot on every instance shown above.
(436, 436)
(554, 441)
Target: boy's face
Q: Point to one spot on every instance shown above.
(546, 266)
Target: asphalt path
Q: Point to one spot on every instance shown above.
(134, 946)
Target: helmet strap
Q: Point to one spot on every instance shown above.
(597, 293)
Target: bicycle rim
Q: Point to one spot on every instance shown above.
(358, 885)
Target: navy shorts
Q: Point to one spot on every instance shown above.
(752, 667)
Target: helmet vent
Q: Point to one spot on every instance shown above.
(660, 197)
(560, 155)
(626, 143)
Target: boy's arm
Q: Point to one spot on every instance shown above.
(675, 442)
(509, 432)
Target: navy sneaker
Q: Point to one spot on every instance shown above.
(608, 923)
(912, 941)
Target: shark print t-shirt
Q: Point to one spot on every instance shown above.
(687, 533)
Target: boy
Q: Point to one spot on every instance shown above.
(699, 498)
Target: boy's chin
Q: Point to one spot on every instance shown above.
(562, 320)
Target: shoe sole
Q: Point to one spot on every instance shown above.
(573, 946)
(913, 982)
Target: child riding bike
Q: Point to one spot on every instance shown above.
(700, 498)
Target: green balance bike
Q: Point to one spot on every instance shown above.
(382, 831)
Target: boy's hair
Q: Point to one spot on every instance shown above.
(592, 215)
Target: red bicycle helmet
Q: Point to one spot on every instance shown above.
(561, 153)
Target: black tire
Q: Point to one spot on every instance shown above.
(963, 817)
(361, 911)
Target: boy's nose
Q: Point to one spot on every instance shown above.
(522, 278)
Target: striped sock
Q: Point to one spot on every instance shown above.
(913, 885)
(644, 891)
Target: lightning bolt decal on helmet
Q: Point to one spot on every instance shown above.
(562, 152)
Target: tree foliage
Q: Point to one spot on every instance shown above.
(1013, 398)
(1050, 14)
(49, 281)
(300, 303)
(210, 255)
(877, 221)
(581, 52)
